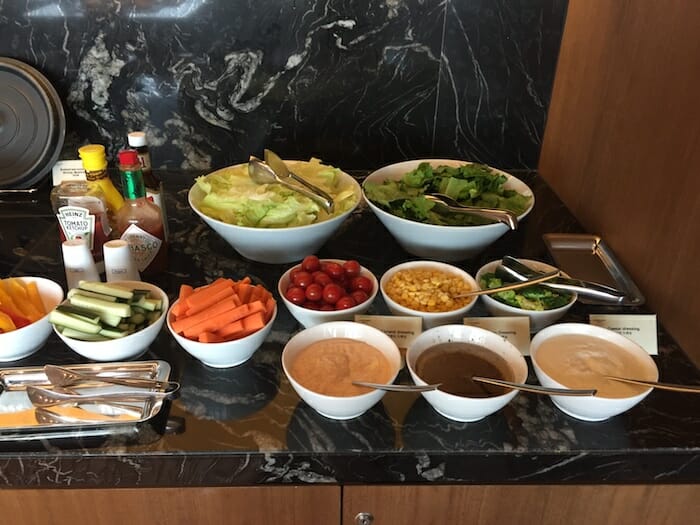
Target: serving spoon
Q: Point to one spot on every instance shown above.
(514, 286)
(397, 388)
(535, 389)
(445, 203)
(691, 389)
(262, 173)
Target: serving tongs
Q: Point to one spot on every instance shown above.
(274, 170)
(444, 203)
(43, 397)
(64, 377)
(513, 268)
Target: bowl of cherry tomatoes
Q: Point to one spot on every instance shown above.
(323, 290)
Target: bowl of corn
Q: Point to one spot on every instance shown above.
(429, 290)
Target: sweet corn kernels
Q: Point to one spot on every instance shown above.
(428, 290)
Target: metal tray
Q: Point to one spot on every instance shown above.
(21, 421)
(587, 257)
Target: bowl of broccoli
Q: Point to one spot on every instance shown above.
(543, 305)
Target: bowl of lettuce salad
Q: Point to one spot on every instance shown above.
(268, 222)
(395, 194)
(544, 306)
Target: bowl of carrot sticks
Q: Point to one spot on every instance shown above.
(222, 323)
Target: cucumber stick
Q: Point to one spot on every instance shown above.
(86, 293)
(107, 289)
(98, 305)
(59, 318)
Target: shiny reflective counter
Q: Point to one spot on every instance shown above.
(246, 426)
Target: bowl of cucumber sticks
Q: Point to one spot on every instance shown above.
(112, 321)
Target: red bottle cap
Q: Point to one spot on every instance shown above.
(128, 157)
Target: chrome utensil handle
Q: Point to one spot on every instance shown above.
(506, 217)
(690, 389)
(397, 388)
(535, 389)
(514, 286)
(519, 271)
(62, 376)
(313, 192)
(45, 398)
(164, 386)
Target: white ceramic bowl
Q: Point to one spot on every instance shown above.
(538, 318)
(430, 319)
(275, 245)
(227, 353)
(593, 408)
(23, 342)
(442, 243)
(461, 408)
(128, 347)
(332, 406)
(308, 317)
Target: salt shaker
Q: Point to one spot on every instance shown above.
(119, 264)
(78, 262)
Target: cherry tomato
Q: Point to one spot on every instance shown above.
(345, 302)
(314, 292)
(302, 279)
(294, 271)
(322, 278)
(311, 263)
(310, 305)
(335, 270)
(332, 292)
(361, 283)
(325, 307)
(295, 295)
(360, 296)
(352, 268)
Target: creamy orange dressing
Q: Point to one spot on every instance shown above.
(582, 361)
(330, 366)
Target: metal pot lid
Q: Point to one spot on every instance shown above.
(32, 125)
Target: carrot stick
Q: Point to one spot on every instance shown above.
(251, 324)
(208, 337)
(200, 293)
(210, 299)
(182, 323)
(228, 331)
(213, 322)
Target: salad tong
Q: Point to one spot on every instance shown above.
(274, 170)
(514, 269)
(444, 203)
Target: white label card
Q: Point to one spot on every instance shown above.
(67, 170)
(640, 328)
(515, 330)
(402, 329)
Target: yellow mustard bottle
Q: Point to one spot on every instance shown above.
(94, 160)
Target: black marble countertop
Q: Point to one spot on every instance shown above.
(246, 426)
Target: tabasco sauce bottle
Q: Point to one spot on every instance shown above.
(139, 221)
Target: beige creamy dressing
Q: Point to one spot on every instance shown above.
(581, 361)
(330, 366)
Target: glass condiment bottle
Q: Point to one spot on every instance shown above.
(154, 186)
(81, 210)
(140, 222)
(95, 163)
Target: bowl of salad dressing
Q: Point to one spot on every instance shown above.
(578, 355)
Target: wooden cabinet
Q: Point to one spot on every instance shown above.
(388, 505)
(523, 504)
(308, 505)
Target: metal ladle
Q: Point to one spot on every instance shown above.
(262, 173)
(445, 203)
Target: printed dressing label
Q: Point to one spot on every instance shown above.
(77, 223)
(143, 245)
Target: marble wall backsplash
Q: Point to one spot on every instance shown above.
(359, 84)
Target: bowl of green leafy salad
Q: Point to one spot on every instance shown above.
(544, 306)
(269, 222)
(397, 195)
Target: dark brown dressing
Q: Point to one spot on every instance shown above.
(454, 364)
